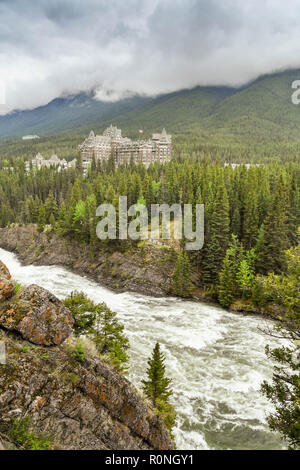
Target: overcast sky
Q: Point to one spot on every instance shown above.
(53, 47)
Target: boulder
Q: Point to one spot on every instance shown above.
(7, 287)
(4, 272)
(38, 316)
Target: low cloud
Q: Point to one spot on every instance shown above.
(140, 46)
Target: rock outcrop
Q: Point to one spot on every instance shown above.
(4, 272)
(79, 403)
(148, 271)
(6, 285)
(39, 316)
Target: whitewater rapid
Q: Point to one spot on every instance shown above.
(216, 359)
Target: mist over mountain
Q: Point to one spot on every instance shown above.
(149, 46)
(263, 107)
(65, 114)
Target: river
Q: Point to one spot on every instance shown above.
(215, 358)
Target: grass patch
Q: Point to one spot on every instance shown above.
(23, 438)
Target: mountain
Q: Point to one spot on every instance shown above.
(264, 107)
(65, 114)
(177, 111)
(261, 108)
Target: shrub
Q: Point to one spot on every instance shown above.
(18, 287)
(101, 326)
(259, 295)
(77, 351)
(21, 436)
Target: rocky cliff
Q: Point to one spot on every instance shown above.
(79, 403)
(147, 270)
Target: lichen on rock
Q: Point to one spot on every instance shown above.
(4, 272)
(6, 285)
(38, 316)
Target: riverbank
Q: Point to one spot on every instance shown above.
(146, 270)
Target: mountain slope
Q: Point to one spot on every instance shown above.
(261, 108)
(64, 115)
(176, 111)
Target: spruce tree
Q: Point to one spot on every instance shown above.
(182, 284)
(157, 386)
(228, 289)
(50, 207)
(91, 205)
(245, 276)
(236, 222)
(100, 324)
(294, 213)
(217, 238)
(271, 257)
(52, 221)
(250, 220)
(41, 219)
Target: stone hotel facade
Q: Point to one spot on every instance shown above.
(53, 162)
(111, 143)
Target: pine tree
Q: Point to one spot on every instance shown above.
(271, 257)
(50, 207)
(41, 218)
(91, 204)
(182, 284)
(245, 276)
(157, 386)
(250, 220)
(217, 237)
(228, 289)
(100, 323)
(52, 221)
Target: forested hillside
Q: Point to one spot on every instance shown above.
(262, 108)
(207, 147)
(253, 213)
(65, 115)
